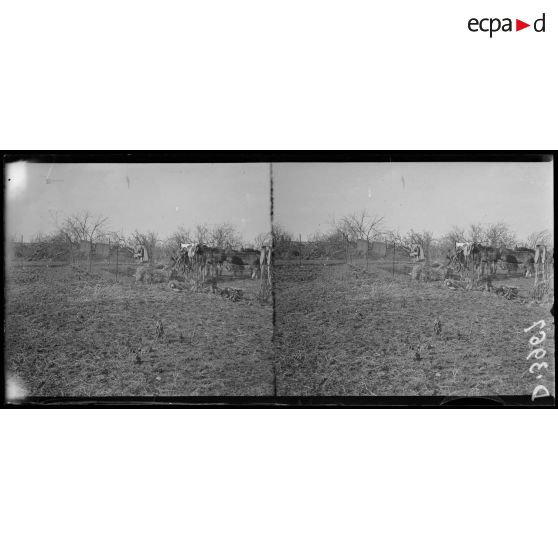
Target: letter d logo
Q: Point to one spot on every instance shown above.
(540, 21)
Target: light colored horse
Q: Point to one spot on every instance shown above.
(541, 268)
(265, 262)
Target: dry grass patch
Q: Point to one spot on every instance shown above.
(91, 337)
(356, 332)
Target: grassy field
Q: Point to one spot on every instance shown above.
(72, 333)
(339, 330)
(344, 330)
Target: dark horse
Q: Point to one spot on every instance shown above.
(485, 257)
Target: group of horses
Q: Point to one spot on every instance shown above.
(485, 259)
(204, 261)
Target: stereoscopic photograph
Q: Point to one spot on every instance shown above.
(135, 280)
(414, 278)
(279, 279)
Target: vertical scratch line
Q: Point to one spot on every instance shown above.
(273, 319)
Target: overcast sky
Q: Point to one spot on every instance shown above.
(421, 196)
(158, 197)
(162, 197)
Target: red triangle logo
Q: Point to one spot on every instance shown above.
(519, 25)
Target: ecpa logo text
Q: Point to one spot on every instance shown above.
(493, 25)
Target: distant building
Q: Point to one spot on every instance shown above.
(101, 249)
(363, 247)
(84, 246)
(98, 249)
(378, 248)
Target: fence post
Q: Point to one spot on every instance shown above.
(90, 258)
(117, 263)
(346, 243)
(393, 264)
(299, 249)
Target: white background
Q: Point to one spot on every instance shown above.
(288, 74)
(259, 75)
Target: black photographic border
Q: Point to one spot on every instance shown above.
(290, 402)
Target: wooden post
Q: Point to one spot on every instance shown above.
(393, 262)
(90, 248)
(367, 248)
(299, 249)
(117, 263)
(346, 241)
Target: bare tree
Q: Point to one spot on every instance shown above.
(444, 248)
(83, 226)
(361, 225)
(224, 236)
(455, 235)
(499, 235)
(337, 233)
(282, 239)
(476, 233)
(446, 244)
(53, 245)
(120, 238)
(180, 236)
(280, 233)
(395, 237)
(332, 243)
(343, 230)
(540, 237)
(494, 234)
(201, 234)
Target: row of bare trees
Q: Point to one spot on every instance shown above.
(222, 235)
(85, 226)
(349, 228)
(362, 225)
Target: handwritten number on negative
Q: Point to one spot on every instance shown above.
(536, 341)
(539, 365)
(537, 353)
(540, 323)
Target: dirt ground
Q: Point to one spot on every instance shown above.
(339, 330)
(344, 330)
(71, 333)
